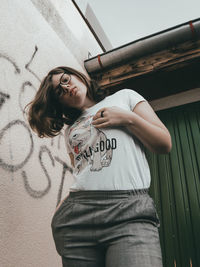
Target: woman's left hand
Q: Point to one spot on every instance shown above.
(141, 122)
(110, 116)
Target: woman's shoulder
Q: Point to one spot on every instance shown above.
(124, 93)
(126, 96)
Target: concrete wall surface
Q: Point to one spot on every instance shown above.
(36, 36)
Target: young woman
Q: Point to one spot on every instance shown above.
(108, 219)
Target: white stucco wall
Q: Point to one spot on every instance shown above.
(36, 36)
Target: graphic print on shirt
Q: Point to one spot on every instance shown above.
(90, 146)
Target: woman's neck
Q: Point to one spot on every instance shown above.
(88, 103)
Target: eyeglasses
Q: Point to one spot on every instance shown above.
(64, 80)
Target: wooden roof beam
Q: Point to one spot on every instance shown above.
(167, 60)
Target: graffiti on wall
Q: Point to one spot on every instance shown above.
(3, 98)
(18, 164)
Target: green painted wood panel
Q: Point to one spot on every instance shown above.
(175, 187)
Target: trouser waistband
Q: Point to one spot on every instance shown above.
(106, 194)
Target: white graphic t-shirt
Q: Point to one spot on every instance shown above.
(107, 158)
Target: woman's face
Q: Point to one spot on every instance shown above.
(74, 90)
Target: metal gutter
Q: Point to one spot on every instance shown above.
(188, 31)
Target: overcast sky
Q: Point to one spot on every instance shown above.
(127, 20)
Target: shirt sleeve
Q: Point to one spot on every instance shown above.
(133, 98)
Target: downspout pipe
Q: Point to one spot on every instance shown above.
(188, 31)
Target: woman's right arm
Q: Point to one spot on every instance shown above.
(72, 163)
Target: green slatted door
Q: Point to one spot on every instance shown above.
(175, 187)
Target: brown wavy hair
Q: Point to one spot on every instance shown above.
(46, 115)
